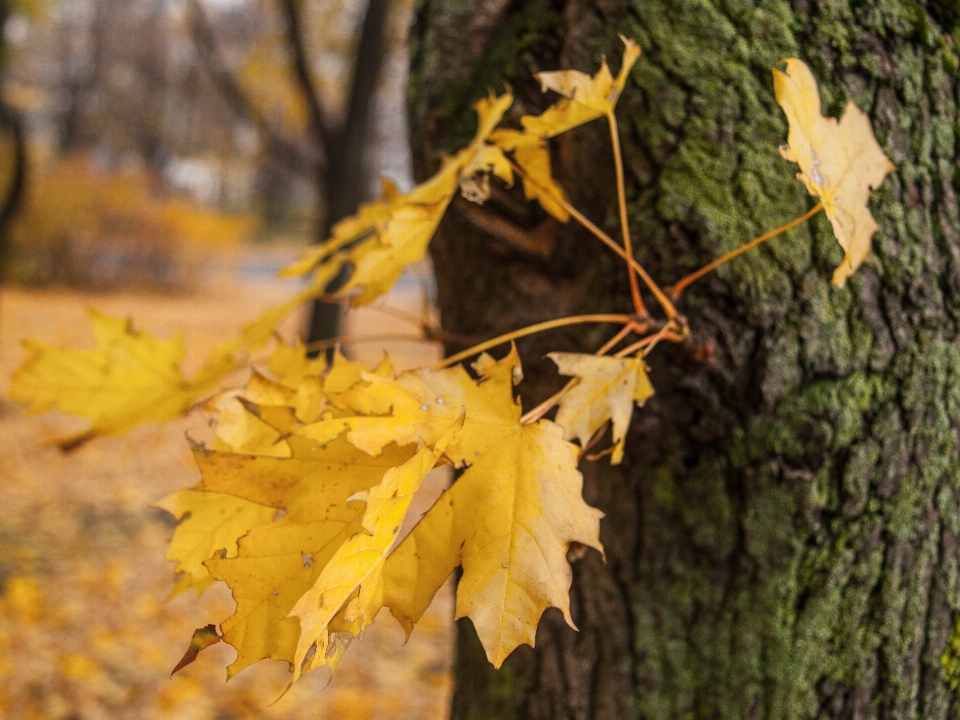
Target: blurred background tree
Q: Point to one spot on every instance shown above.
(208, 122)
(12, 142)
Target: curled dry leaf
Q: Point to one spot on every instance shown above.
(840, 163)
(202, 638)
(607, 390)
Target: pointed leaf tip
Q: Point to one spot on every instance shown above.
(202, 638)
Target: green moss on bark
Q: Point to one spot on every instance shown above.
(783, 540)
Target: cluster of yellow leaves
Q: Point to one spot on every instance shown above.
(342, 456)
(311, 478)
(393, 232)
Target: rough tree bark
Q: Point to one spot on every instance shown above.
(782, 538)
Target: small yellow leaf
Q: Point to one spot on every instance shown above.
(607, 390)
(841, 163)
(533, 156)
(209, 522)
(585, 98)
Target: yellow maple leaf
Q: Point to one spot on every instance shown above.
(841, 163)
(420, 404)
(509, 520)
(277, 563)
(358, 563)
(393, 232)
(209, 522)
(521, 507)
(533, 156)
(585, 98)
(128, 378)
(607, 390)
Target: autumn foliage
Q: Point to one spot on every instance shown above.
(303, 494)
(86, 225)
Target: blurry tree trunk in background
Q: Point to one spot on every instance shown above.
(11, 132)
(337, 151)
(340, 177)
(83, 77)
(783, 536)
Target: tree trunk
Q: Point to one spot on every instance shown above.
(11, 125)
(782, 537)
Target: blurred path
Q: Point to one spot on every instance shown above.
(85, 631)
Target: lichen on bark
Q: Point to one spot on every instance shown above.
(782, 541)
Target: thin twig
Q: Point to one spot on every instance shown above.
(543, 408)
(594, 440)
(531, 330)
(682, 285)
(665, 333)
(638, 305)
(665, 303)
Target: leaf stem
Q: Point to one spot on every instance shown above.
(682, 285)
(665, 333)
(531, 330)
(665, 303)
(543, 408)
(624, 331)
(624, 224)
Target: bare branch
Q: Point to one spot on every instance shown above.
(290, 153)
(301, 64)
